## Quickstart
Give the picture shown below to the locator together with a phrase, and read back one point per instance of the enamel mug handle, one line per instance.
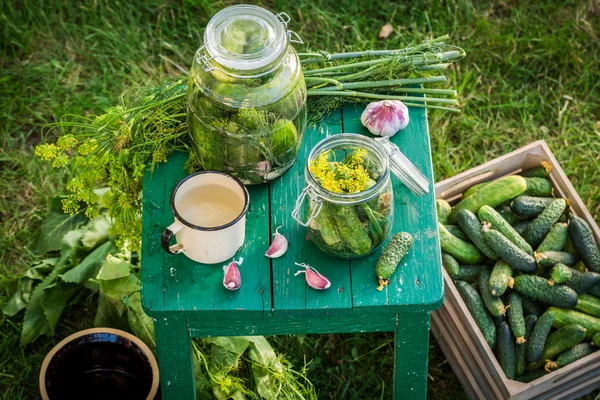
(165, 240)
(315, 212)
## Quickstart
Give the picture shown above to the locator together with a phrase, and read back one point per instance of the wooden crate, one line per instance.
(455, 330)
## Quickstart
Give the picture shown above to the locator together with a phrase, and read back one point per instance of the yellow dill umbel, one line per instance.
(348, 177)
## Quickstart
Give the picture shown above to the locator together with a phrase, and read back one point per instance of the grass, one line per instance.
(531, 73)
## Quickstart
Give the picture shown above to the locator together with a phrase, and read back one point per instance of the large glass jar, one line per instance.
(246, 95)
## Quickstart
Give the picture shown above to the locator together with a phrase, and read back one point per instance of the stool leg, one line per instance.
(174, 353)
(412, 351)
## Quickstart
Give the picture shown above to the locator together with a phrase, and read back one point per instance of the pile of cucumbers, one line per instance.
(528, 270)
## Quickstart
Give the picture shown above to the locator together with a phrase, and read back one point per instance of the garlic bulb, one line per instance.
(385, 118)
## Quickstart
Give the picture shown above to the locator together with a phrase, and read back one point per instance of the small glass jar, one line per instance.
(354, 225)
(247, 95)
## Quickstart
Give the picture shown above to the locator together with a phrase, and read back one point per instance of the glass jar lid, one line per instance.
(246, 37)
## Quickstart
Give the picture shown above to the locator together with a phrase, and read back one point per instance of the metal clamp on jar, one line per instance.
(246, 95)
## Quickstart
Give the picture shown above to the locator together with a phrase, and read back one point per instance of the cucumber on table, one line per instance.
(494, 304)
(560, 274)
(537, 288)
(561, 340)
(575, 353)
(509, 252)
(583, 282)
(537, 230)
(563, 316)
(529, 206)
(537, 339)
(549, 259)
(469, 273)
(541, 171)
(537, 186)
(479, 312)
(505, 350)
(521, 349)
(500, 278)
(395, 251)
(555, 239)
(450, 264)
(469, 223)
(443, 210)
(488, 215)
(583, 239)
(456, 231)
(589, 305)
(516, 319)
(462, 251)
(494, 194)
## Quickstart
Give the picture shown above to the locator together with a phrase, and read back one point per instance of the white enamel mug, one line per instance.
(207, 245)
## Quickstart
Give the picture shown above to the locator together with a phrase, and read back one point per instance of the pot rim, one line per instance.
(145, 349)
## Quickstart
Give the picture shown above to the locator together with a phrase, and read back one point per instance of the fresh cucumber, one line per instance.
(515, 316)
(491, 216)
(509, 216)
(560, 274)
(500, 278)
(541, 171)
(534, 307)
(555, 239)
(509, 252)
(506, 350)
(589, 305)
(580, 266)
(582, 282)
(537, 340)
(462, 251)
(549, 259)
(537, 186)
(474, 188)
(529, 206)
(562, 340)
(450, 264)
(478, 311)
(521, 226)
(443, 210)
(394, 252)
(470, 225)
(456, 231)
(531, 376)
(499, 319)
(596, 339)
(538, 288)
(570, 247)
(494, 304)
(521, 349)
(583, 239)
(563, 316)
(595, 291)
(494, 194)
(350, 229)
(469, 273)
(539, 228)
(575, 353)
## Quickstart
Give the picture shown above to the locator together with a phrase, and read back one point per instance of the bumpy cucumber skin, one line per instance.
(539, 228)
(521, 349)
(595, 291)
(469, 273)
(537, 340)
(560, 274)
(493, 195)
(506, 350)
(491, 216)
(395, 251)
(582, 282)
(463, 252)
(443, 210)
(474, 188)
(529, 206)
(521, 226)
(478, 311)
(563, 316)
(584, 242)
(471, 226)
(562, 340)
(538, 288)
(534, 307)
(541, 171)
(509, 252)
(509, 216)
(589, 305)
(596, 339)
(549, 259)
(456, 231)
(515, 316)
(450, 264)
(494, 304)
(575, 353)
(555, 239)
(537, 186)
(500, 277)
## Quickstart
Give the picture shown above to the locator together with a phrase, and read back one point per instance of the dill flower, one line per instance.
(349, 176)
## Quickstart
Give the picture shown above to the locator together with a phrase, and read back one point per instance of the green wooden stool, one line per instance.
(187, 300)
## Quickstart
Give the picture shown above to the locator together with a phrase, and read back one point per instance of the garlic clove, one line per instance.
(279, 245)
(232, 280)
(313, 278)
(385, 118)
